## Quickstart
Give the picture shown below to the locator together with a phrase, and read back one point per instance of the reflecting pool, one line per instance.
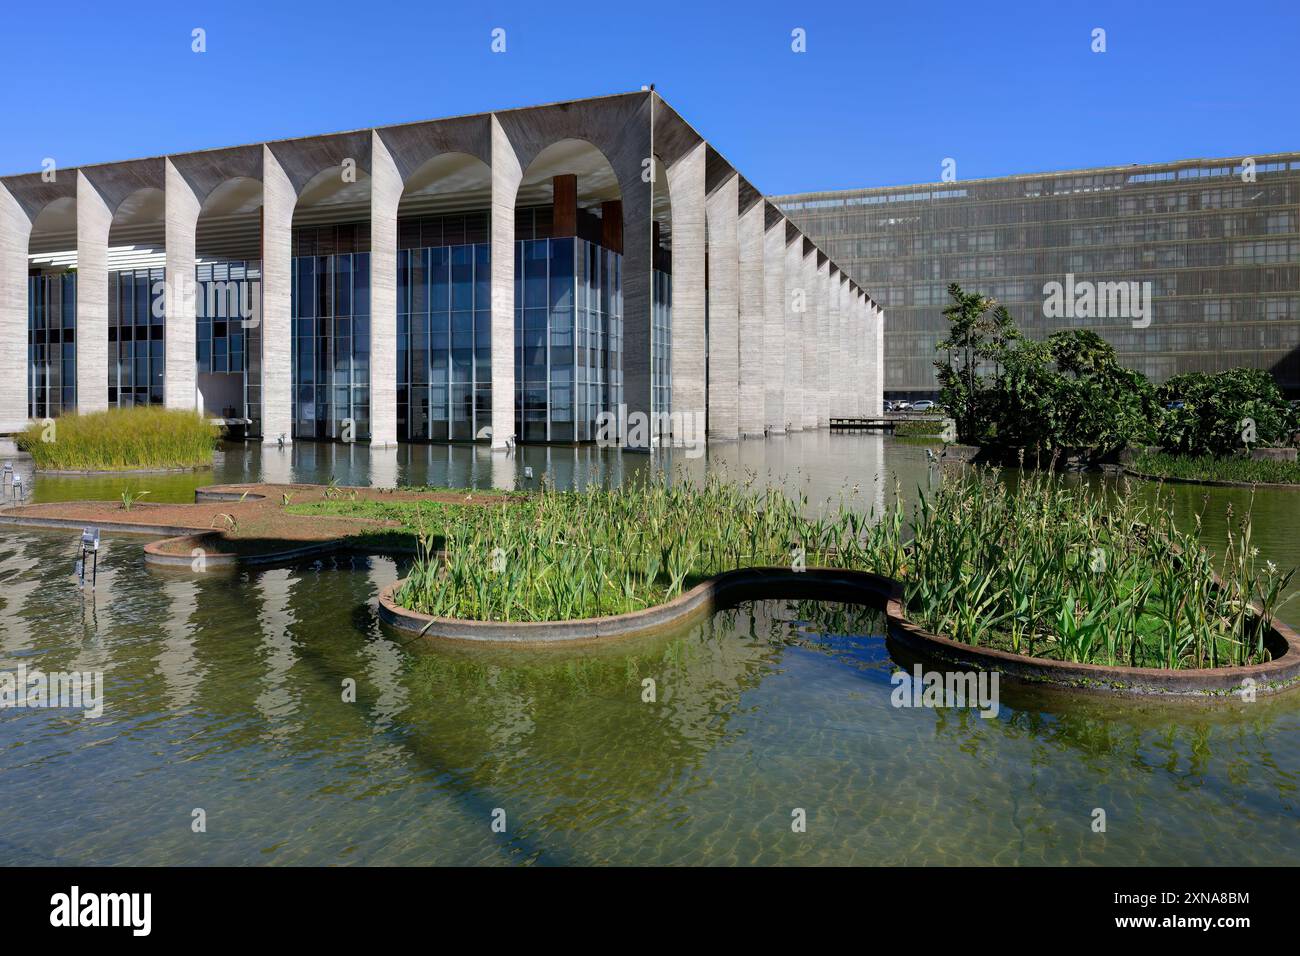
(230, 693)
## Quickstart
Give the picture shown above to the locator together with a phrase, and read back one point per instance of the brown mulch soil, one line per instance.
(261, 525)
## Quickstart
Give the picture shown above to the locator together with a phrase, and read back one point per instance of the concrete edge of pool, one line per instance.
(1280, 674)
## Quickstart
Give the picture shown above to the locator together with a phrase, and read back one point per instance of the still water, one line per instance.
(225, 693)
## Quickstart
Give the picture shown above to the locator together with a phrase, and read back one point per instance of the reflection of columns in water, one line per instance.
(176, 660)
(383, 466)
(277, 464)
(277, 701)
(385, 662)
(502, 471)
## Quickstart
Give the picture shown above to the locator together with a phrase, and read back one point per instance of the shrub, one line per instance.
(1212, 419)
(121, 439)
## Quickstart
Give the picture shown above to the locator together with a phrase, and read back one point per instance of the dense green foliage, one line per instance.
(1221, 413)
(121, 439)
(1039, 567)
(1069, 394)
(1210, 468)
(919, 429)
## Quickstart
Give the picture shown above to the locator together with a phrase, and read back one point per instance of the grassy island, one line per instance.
(121, 439)
(1037, 567)
(1214, 468)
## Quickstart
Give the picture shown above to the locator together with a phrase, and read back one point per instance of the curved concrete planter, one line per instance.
(155, 555)
(856, 587)
(860, 587)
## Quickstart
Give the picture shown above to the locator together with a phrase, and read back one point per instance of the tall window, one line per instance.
(568, 338)
(331, 333)
(136, 315)
(51, 344)
(228, 334)
(661, 372)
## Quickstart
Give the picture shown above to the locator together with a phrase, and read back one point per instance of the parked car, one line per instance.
(924, 405)
(1175, 404)
(902, 406)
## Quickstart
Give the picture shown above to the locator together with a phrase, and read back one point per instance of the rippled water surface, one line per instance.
(226, 692)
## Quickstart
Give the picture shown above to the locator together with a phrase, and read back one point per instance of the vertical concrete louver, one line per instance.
(823, 340)
(15, 233)
(811, 320)
(723, 309)
(686, 192)
(792, 342)
(279, 197)
(181, 219)
(774, 341)
(750, 413)
(94, 219)
(385, 194)
(506, 176)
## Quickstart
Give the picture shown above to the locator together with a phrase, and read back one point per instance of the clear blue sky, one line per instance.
(884, 93)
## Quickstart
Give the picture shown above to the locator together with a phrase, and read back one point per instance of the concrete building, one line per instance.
(523, 274)
(1217, 239)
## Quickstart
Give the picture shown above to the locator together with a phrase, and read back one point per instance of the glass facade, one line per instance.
(568, 338)
(661, 350)
(331, 334)
(136, 330)
(51, 344)
(444, 342)
(1222, 254)
(228, 334)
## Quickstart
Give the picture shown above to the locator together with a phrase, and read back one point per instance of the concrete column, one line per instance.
(844, 347)
(794, 309)
(774, 340)
(877, 396)
(181, 218)
(94, 219)
(823, 342)
(834, 342)
(750, 413)
(15, 233)
(858, 376)
(686, 195)
(385, 194)
(506, 176)
(279, 198)
(638, 265)
(810, 329)
(724, 310)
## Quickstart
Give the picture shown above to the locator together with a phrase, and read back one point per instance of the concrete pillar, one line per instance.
(774, 340)
(279, 198)
(811, 326)
(15, 233)
(724, 310)
(686, 195)
(506, 176)
(877, 396)
(794, 309)
(638, 266)
(181, 217)
(750, 413)
(857, 377)
(834, 342)
(844, 347)
(94, 219)
(823, 341)
(385, 194)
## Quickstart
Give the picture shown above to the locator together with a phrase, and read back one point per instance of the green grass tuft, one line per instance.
(121, 439)
(1210, 468)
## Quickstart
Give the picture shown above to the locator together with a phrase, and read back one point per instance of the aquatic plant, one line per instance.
(1037, 565)
(120, 439)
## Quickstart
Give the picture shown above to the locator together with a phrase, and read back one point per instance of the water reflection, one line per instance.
(227, 692)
